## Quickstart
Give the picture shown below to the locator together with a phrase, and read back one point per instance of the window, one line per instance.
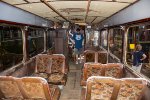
(133, 37)
(140, 35)
(11, 46)
(116, 42)
(35, 41)
(50, 38)
(104, 39)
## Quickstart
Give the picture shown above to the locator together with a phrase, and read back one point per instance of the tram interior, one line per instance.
(37, 58)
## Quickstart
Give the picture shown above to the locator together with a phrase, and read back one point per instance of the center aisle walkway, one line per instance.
(72, 90)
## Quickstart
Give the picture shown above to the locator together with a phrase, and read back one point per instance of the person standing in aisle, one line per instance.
(138, 57)
(78, 39)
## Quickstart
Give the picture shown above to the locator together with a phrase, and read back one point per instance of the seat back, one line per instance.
(58, 63)
(131, 89)
(89, 56)
(34, 88)
(100, 88)
(107, 88)
(101, 57)
(43, 63)
(92, 69)
(113, 70)
(9, 88)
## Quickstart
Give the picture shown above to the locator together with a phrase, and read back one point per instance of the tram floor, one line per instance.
(72, 89)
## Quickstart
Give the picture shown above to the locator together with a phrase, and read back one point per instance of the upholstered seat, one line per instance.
(89, 56)
(91, 69)
(27, 88)
(100, 88)
(101, 57)
(9, 88)
(97, 69)
(52, 68)
(108, 88)
(114, 70)
(36, 88)
(58, 74)
(131, 89)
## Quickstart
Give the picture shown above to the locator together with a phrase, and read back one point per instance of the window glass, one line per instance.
(11, 46)
(132, 39)
(50, 38)
(140, 35)
(35, 41)
(96, 38)
(116, 42)
(104, 39)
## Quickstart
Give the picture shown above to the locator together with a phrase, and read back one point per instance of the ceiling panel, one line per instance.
(90, 19)
(34, 0)
(105, 9)
(126, 1)
(70, 7)
(98, 19)
(73, 10)
(14, 1)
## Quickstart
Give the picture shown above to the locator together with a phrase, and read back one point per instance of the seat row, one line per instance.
(97, 69)
(95, 56)
(27, 88)
(107, 88)
(51, 67)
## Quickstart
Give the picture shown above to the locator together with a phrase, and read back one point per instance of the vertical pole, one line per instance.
(125, 44)
(107, 30)
(25, 43)
(45, 40)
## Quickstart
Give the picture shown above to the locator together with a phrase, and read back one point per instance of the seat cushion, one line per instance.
(43, 75)
(56, 77)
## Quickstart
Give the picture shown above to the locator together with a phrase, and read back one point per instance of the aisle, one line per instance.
(72, 90)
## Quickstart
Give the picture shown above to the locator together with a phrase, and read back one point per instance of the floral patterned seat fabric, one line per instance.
(102, 57)
(131, 89)
(114, 70)
(94, 69)
(99, 88)
(57, 69)
(91, 69)
(9, 88)
(89, 56)
(43, 63)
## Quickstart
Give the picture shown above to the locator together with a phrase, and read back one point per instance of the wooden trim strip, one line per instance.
(52, 8)
(87, 11)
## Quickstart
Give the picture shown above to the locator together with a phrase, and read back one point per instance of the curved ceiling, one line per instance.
(89, 11)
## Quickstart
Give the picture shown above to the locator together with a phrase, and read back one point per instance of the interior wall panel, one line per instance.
(139, 10)
(13, 14)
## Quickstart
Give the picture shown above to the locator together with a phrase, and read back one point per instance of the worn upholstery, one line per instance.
(114, 70)
(58, 63)
(99, 88)
(89, 56)
(131, 89)
(97, 69)
(58, 73)
(52, 68)
(102, 57)
(91, 69)
(27, 88)
(108, 88)
(9, 88)
(43, 63)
